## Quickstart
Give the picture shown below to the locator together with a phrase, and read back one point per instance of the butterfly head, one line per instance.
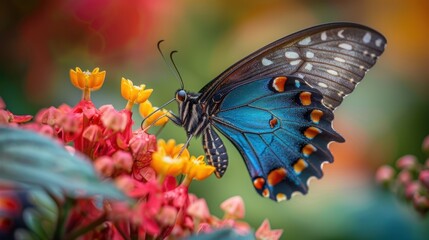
(181, 95)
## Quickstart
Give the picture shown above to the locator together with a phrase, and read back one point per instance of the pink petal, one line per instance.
(234, 207)
(199, 209)
(265, 232)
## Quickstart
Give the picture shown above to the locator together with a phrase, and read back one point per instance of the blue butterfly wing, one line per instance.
(282, 131)
(272, 129)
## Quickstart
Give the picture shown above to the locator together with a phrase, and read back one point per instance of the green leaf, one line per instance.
(32, 159)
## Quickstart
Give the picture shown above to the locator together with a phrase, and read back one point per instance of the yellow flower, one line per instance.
(165, 161)
(196, 168)
(87, 81)
(134, 94)
(146, 109)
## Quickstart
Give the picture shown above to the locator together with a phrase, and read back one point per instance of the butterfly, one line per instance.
(276, 105)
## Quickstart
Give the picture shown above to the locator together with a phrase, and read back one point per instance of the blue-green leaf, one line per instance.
(32, 159)
(224, 234)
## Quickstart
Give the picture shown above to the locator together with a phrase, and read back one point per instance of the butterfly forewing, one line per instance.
(332, 58)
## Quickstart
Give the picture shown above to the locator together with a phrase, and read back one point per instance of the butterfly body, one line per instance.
(276, 105)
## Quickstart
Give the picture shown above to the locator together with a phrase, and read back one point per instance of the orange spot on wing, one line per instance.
(273, 122)
(308, 149)
(276, 176)
(258, 183)
(266, 193)
(280, 197)
(300, 165)
(316, 115)
(311, 132)
(279, 84)
(305, 98)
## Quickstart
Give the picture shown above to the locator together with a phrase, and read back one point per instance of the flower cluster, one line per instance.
(411, 182)
(144, 168)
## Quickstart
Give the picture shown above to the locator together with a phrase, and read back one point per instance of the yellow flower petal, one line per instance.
(165, 161)
(196, 168)
(143, 95)
(87, 80)
(98, 80)
(146, 109)
(134, 94)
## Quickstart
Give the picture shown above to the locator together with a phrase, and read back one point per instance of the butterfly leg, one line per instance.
(215, 151)
(174, 118)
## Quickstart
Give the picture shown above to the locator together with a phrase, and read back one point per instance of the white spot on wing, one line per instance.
(291, 54)
(309, 54)
(323, 85)
(367, 37)
(340, 33)
(338, 59)
(345, 46)
(305, 41)
(332, 72)
(378, 42)
(266, 62)
(295, 62)
(323, 36)
(309, 66)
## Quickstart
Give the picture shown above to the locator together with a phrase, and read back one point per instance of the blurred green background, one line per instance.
(385, 118)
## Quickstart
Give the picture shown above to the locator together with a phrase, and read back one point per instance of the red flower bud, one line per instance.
(424, 178)
(406, 162)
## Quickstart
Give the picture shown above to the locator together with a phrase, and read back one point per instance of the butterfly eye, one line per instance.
(181, 95)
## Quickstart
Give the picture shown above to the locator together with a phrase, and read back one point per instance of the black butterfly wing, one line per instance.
(332, 58)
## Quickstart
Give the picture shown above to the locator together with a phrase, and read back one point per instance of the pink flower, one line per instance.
(424, 178)
(404, 177)
(199, 210)
(410, 189)
(104, 165)
(50, 116)
(384, 174)
(142, 145)
(177, 197)
(112, 119)
(123, 161)
(265, 232)
(406, 162)
(233, 207)
(145, 174)
(421, 203)
(167, 216)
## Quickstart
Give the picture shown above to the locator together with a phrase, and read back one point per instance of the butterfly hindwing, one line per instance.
(281, 129)
(332, 58)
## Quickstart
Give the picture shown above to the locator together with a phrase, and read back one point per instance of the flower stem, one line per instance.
(187, 181)
(129, 105)
(86, 94)
(63, 212)
(80, 231)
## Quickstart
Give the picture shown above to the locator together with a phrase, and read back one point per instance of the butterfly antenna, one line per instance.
(177, 70)
(173, 70)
